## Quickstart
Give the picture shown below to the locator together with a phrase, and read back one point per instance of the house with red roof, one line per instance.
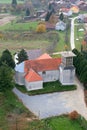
(33, 73)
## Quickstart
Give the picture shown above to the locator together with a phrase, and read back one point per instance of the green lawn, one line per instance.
(10, 109)
(79, 35)
(61, 44)
(9, 1)
(19, 26)
(49, 87)
(56, 123)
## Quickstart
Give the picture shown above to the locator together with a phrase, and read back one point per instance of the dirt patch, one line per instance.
(6, 19)
(19, 122)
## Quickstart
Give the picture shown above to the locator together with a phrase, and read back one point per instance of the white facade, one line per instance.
(49, 76)
(33, 85)
(60, 26)
(67, 76)
(19, 78)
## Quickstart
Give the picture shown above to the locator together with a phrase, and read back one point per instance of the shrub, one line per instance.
(41, 28)
(73, 115)
(1, 36)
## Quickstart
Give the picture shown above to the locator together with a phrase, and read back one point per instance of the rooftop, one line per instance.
(42, 64)
(33, 76)
(68, 54)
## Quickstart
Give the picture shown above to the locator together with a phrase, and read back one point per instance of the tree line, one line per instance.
(80, 62)
(7, 65)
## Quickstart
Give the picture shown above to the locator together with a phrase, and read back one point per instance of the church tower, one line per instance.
(67, 69)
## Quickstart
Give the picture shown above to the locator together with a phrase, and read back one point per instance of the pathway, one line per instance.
(6, 19)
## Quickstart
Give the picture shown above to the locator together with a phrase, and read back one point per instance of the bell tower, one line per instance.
(67, 69)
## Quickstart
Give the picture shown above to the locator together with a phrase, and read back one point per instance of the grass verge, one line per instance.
(56, 123)
(11, 110)
(49, 87)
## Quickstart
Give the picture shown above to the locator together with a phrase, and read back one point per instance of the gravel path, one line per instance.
(48, 105)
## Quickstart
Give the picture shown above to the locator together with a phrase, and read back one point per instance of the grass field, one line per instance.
(15, 46)
(79, 35)
(10, 110)
(19, 26)
(9, 1)
(56, 123)
(33, 41)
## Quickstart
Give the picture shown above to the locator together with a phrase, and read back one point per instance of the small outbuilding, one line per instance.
(60, 26)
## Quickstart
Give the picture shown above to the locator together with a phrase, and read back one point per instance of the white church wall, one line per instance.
(50, 75)
(33, 85)
(67, 76)
(19, 78)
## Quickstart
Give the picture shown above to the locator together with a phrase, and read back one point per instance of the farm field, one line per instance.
(24, 35)
(31, 43)
(15, 46)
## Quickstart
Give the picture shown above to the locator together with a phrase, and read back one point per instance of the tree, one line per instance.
(7, 58)
(27, 12)
(83, 73)
(61, 17)
(47, 16)
(22, 56)
(14, 3)
(6, 77)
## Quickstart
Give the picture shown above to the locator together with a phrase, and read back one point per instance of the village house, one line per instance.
(66, 11)
(33, 73)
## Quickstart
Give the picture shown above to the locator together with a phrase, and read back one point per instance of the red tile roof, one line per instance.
(33, 76)
(44, 56)
(42, 64)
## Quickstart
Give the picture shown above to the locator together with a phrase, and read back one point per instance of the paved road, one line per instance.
(48, 105)
(72, 34)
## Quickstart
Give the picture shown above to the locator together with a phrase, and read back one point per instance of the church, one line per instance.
(33, 73)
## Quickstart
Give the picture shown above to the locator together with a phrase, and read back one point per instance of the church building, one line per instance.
(33, 73)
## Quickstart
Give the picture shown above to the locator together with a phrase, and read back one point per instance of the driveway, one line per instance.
(48, 105)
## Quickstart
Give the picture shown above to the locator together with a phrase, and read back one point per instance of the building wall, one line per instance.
(19, 78)
(50, 75)
(33, 85)
(67, 76)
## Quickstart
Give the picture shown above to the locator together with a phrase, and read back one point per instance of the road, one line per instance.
(72, 34)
